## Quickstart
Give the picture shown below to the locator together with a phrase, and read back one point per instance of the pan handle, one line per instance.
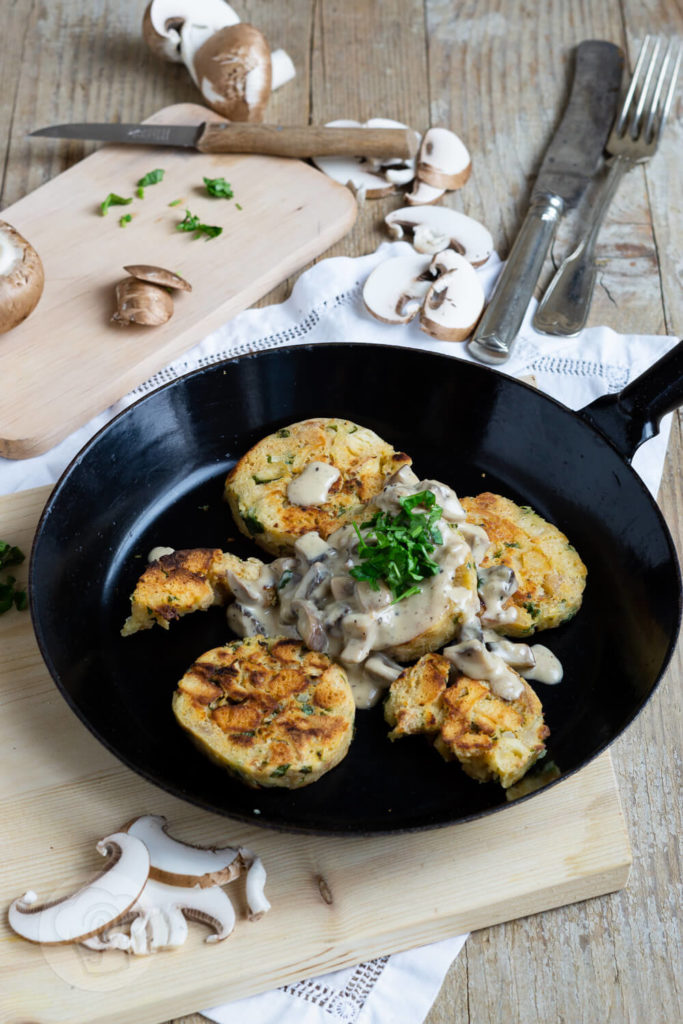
(633, 415)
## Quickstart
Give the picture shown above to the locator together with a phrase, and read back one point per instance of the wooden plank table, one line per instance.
(494, 71)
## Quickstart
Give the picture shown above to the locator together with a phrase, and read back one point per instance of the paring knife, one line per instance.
(571, 160)
(270, 139)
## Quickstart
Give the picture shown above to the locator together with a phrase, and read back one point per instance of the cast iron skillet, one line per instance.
(154, 475)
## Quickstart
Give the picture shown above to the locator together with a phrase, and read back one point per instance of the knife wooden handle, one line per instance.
(307, 140)
(502, 319)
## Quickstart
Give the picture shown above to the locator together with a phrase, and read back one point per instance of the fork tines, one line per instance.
(651, 90)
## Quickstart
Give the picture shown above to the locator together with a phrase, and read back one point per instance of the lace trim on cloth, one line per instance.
(345, 1005)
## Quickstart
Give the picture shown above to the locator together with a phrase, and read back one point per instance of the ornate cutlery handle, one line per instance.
(502, 319)
(565, 306)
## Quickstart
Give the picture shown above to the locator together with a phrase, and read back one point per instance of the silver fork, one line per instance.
(633, 140)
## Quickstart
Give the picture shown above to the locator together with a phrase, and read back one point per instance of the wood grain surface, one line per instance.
(494, 71)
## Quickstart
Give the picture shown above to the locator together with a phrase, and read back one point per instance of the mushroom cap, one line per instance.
(443, 161)
(462, 233)
(232, 68)
(166, 22)
(455, 300)
(157, 275)
(21, 277)
(139, 302)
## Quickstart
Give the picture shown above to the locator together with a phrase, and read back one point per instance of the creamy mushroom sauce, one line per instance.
(311, 596)
(312, 485)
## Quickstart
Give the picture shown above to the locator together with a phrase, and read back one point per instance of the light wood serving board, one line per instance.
(67, 362)
(335, 902)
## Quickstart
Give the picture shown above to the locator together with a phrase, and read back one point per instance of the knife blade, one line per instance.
(239, 137)
(570, 162)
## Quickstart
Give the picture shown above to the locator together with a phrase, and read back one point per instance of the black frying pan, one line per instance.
(154, 475)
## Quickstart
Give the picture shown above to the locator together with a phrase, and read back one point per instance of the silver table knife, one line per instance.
(570, 162)
(239, 137)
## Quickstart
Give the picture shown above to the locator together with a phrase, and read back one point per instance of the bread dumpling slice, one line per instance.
(268, 710)
(315, 475)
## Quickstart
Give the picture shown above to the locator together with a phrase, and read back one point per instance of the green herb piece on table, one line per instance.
(397, 549)
(9, 594)
(191, 222)
(126, 219)
(151, 178)
(175, 202)
(113, 200)
(219, 187)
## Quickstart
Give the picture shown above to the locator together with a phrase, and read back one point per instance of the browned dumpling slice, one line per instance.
(268, 710)
(317, 474)
(414, 703)
(186, 581)
(492, 738)
(549, 572)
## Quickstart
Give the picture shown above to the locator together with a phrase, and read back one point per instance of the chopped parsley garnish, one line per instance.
(126, 219)
(397, 549)
(9, 594)
(252, 523)
(191, 222)
(281, 769)
(113, 200)
(175, 202)
(151, 178)
(219, 187)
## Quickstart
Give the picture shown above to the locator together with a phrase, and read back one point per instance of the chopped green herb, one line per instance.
(126, 219)
(308, 709)
(281, 770)
(532, 609)
(511, 543)
(113, 200)
(9, 593)
(397, 549)
(219, 187)
(332, 426)
(151, 178)
(285, 578)
(283, 432)
(252, 523)
(176, 202)
(305, 769)
(10, 555)
(191, 222)
(237, 206)
(140, 192)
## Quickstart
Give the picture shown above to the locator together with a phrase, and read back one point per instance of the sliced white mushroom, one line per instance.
(465, 234)
(443, 161)
(454, 301)
(158, 919)
(257, 901)
(177, 863)
(394, 291)
(369, 178)
(21, 277)
(95, 906)
(423, 194)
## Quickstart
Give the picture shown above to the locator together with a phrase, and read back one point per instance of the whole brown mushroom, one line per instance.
(233, 71)
(21, 277)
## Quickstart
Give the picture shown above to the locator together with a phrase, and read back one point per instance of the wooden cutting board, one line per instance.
(335, 902)
(67, 362)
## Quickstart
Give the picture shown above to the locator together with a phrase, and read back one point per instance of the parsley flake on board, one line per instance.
(191, 222)
(397, 549)
(219, 187)
(9, 594)
(113, 200)
(126, 219)
(151, 178)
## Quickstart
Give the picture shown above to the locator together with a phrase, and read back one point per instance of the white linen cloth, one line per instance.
(326, 305)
